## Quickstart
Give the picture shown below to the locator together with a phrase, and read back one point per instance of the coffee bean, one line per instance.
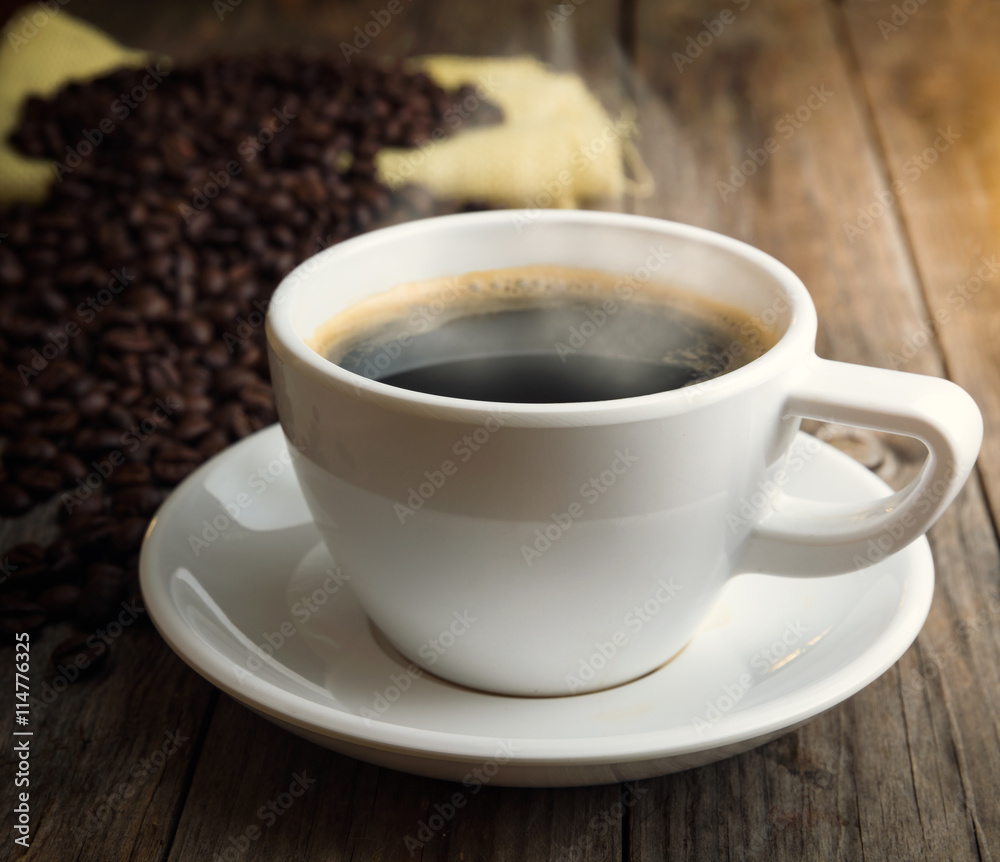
(232, 380)
(59, 425)
(137, 500)
(240, 424)
(167, 292)
(128, 536)
(92, 404)
(80, 507)
(129, 341)
(198, 404)
(25, 554)
(257, 396)
(14, 500)
(191, 427)
(71, 467)
(40, 482)
(118, 416)
(197, 331)
(97, 440)
(27, 580)
(130, 474)
(213, 443)
(213, 281)
(93, 537)
(100, 597)
(130, 395)
(59, 602)
(215, 356)
(65, 566)
(11, 416)
(57, 375)
(80, 656)
(19, 615)
(29, 450)
(173, 466)
(150, 304)
(11, 271)
(134, 601)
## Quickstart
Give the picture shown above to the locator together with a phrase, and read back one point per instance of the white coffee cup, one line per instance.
(504, 546)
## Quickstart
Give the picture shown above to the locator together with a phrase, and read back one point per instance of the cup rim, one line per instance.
(289, 346)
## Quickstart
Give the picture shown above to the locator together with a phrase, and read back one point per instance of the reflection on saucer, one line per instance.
(263, 614)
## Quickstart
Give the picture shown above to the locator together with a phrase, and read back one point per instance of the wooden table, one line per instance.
(909, 768)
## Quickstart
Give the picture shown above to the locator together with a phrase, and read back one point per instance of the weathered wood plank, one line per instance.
(927, 70)
(930, 76)
(908, 767)
(885, 775)
(358, 811)
(110, 756)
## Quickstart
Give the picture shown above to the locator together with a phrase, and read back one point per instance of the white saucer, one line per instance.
(217, 596)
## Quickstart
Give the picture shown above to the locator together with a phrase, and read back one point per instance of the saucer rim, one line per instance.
(328, 721)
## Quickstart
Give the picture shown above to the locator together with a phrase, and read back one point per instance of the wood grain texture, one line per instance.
(930, 74)
(910, 767)
(889, 773)
(358, 811)
(111, 757)
(938, 70)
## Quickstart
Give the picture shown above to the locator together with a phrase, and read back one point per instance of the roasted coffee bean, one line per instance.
(137, 500)
(135, 603)
(100, 598)
(79, 507)
(70, 466)
(197, 331)
(19, 615)
(257, 396)
(84, 654)
(216, 356)
(29, 450)
(213, 281)
(118, 416)
(198, 404)
(130, 474)
(191, 427)
(14, 500)
(57, 375)
(59, 425)
(25, 554)
(130, 395)
(94, 536)
(240, 424)
(39, 482)
(172, 468)
(98, 440)
(167, 291)
(213, 443)
(59, 602)
(128, 536)
(249, 354)
(92, 403)
(64, 568)
(221, 313)
(27, 579)
(129, 341)
(11, 416)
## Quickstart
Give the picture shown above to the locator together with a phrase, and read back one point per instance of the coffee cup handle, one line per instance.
(806, 538)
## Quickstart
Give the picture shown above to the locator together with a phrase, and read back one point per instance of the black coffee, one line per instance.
(540, 335)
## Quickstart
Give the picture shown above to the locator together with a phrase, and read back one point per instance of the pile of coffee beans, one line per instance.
(132, 301)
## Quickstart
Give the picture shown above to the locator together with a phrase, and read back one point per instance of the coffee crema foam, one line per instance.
(543, 311)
